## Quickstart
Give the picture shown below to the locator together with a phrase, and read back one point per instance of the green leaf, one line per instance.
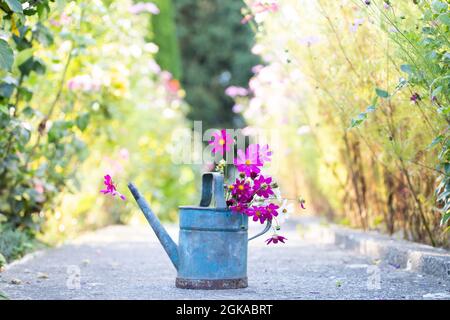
(14, 5)
(23, 55)
(436, 141)
(43, 34)
(2, 261)
(371, 108)
(381, 93)
(445, 219)
(6, 55)
(406, 68)
(32, 64)
(438, 6)
(436, 91)
(445, 18)
(358, 120)
(29, 112)
(6, 90)
(82, 121)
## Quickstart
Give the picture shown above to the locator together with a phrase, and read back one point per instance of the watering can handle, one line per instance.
(212, 185)
(267, 228)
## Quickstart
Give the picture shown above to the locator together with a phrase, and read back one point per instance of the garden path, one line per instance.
(127, 262)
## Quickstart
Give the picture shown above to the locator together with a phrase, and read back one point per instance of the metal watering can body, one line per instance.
(213, 241)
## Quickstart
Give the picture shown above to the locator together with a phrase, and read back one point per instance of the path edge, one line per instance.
(404, 254)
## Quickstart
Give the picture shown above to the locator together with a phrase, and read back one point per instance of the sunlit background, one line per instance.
(357, 91)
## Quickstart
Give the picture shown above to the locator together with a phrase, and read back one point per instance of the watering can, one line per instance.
(213, 241)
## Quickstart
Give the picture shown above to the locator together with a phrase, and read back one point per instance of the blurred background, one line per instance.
(356, 89)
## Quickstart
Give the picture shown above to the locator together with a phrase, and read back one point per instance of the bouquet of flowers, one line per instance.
(253, 193)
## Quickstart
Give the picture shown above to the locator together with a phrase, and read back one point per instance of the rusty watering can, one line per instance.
(213, 241)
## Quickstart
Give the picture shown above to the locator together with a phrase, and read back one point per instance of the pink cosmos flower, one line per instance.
(246, 18)
(63, 20)
(272, 210)
(144, 7)
(84, 83)
(355, 25)
(257, 68)
(247, 162)
(237, 108)
(262, 186)
(111, 188)
(258, 213)
(263, 6)
(238, 207)
(263, 153)
(275, 238)
(222, 141)
(234, 91)
(240, 187)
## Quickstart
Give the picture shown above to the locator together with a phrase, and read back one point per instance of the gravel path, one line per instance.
(127, 262)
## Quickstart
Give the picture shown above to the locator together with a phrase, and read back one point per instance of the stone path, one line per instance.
(127, 262)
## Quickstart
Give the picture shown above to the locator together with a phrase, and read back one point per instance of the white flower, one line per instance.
(284, 211)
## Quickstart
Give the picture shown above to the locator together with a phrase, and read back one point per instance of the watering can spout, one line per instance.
(166, 241)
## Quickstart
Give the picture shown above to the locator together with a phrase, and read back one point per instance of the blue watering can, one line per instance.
(213, 241)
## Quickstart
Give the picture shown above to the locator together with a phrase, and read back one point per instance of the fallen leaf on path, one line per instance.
(42, 275)
(15, 281)
(86, 262)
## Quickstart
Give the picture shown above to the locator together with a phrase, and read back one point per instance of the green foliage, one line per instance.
(3, 296)
(165, 37)
(6, 55)
(13, 244)
(424, 47)
(71, 112)
(359, 96)
(215, 50)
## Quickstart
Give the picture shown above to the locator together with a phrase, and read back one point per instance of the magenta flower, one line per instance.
(111, 188)
(302, 203)
(262, 186)
(247, 162)
(415, 98)
(222, 141)
(275, 238)
(258, 213)
(272, 210)
(238, 207)
(240, 187)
